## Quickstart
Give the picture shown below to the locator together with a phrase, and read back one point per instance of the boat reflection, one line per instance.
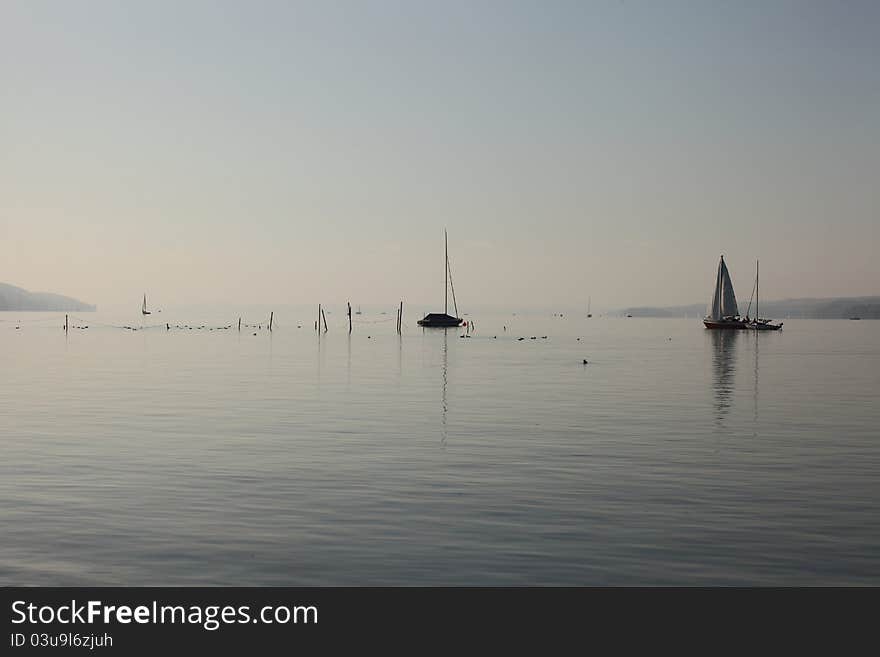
(757, 339)
(723, 345)
(445, 370)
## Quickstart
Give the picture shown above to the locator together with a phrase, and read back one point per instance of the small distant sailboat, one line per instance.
(758, 323)
(723, 311)
(144, 310)
(358, 312)
(444, 319)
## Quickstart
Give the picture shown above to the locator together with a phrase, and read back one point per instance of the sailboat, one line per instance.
(723, 312)
(144, 310)
(759, 324)
(444, 319)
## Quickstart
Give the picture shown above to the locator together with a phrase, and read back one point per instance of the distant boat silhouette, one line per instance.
(144, 310)
(444, 319)
(358, 311)
(589, 314)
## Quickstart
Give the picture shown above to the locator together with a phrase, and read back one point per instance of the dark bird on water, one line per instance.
(585, 361)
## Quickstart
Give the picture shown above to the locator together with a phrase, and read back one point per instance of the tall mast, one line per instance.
(757, 295)
(445, 273)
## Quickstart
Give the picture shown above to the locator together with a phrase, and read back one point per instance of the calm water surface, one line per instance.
(676, 456)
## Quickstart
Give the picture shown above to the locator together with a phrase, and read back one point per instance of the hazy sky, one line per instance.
(294, 153)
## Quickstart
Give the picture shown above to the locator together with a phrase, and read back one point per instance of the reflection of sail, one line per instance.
(724, 368)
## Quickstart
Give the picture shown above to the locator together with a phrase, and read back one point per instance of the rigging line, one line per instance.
(751, 297)
(451, 286)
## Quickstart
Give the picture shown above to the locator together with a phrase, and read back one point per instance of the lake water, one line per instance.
(676, 456)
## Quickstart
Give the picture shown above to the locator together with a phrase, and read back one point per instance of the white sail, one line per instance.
(723, 300)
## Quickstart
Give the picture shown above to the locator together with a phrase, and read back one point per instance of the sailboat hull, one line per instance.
(439, 320)
(730, 324)
(764, 326)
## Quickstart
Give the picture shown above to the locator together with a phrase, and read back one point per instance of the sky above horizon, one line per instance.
(305, 152)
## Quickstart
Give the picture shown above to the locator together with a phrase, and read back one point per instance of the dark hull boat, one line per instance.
(759, 323)
(763, 325)
(444, 319)
(723, 311)
(439, 320)
(726, 323)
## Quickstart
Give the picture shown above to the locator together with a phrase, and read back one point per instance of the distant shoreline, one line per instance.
(835, 308)
(16, 299)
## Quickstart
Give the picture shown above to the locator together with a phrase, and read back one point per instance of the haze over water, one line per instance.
(676, 456)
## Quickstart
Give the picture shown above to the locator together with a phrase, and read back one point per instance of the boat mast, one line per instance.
(445, 273)
(757, 295)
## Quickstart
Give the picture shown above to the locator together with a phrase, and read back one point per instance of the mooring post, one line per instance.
(271, 319)
(318, 323)
(400, 318)
(239, 324)
(349, 317)
(65, 323)
(325, 320)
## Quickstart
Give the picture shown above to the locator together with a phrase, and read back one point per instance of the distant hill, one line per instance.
(17, 299)
(843, 308)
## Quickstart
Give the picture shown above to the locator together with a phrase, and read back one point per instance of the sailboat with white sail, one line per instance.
(444, 319)
(723, 311)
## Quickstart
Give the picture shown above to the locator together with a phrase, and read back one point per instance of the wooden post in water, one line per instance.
(271, 319)
(318, 323)
(65, 323)
(325, 320)
(239, 324)
(400, 317)
(349, 317)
